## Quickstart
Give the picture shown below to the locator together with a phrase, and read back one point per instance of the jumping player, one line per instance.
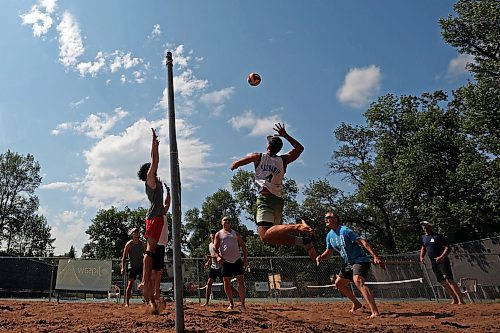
(270, 170)
(155, 217)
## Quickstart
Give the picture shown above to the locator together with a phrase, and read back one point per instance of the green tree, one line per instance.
(109, 232)
(19, 178)
(71, 253)
(476, 31)
(33, 239)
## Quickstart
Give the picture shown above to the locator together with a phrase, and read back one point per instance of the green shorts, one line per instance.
(269, 209)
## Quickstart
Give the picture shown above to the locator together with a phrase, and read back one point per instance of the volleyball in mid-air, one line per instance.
(254, 79)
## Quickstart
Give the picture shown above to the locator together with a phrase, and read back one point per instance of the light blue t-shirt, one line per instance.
(344, 241)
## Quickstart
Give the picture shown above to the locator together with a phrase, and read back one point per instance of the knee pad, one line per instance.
(151, 254)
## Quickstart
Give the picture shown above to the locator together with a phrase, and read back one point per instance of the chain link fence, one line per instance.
(272, 278)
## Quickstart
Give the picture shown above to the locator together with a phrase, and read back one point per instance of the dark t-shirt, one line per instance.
(155, 197)
(434, 244)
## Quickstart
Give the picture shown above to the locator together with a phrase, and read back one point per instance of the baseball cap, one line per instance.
(425, 223)
(132, 231)
(275, 143)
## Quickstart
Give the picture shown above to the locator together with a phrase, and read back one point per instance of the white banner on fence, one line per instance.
(74, 274)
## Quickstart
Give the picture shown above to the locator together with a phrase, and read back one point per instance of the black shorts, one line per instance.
(159, 258)
(215, 273)
(442, 270)
(133, 273)
(233, 269)
(348, 272)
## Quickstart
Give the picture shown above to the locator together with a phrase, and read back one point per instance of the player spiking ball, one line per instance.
(270, 170)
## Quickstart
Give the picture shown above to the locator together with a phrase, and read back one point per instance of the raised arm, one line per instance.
(297, 149)
(252, 157)
(155, 159)
(166, 204)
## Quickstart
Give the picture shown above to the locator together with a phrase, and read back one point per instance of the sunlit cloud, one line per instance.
(113, 181)
(217, 99)
(68, 228)
(39, 17)
(70, 41)
(360, 85)
(458, 66)
(156, 33)
(95, 126)
(257, 125)
(63, 186)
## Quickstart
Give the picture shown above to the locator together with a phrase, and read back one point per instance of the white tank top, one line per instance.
(164, 234)
(229, 248)
(214, 263)
(269, 173)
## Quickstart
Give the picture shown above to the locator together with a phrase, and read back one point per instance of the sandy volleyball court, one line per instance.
(289, 317)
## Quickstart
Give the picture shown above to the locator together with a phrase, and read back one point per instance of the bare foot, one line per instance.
(161, 305)
(355, 307)
(230, 307)
(204, 304)
(153, 308)
(374, 315)
(127, 305)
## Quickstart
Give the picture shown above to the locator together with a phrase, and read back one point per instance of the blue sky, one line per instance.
(84, 81)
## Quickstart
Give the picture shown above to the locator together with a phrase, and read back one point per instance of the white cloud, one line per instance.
(124, 60)
(217, 99)
(70, 41)
(156, 33)
(68, 229)
(360, 85)
(92, 68)
(95, 126)
(40, 20)
(180, 59)
(114, 160)
(257, 125)
(77, 104)
(59, 186)
(457, 66)
(187, 83)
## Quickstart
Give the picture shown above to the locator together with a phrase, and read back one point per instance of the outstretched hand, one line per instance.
(280, 128)
(155, 137)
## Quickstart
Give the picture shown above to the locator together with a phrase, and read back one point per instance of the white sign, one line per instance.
(261, 286)
(76, 274)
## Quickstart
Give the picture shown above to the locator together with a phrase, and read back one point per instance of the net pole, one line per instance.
(176, 200)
